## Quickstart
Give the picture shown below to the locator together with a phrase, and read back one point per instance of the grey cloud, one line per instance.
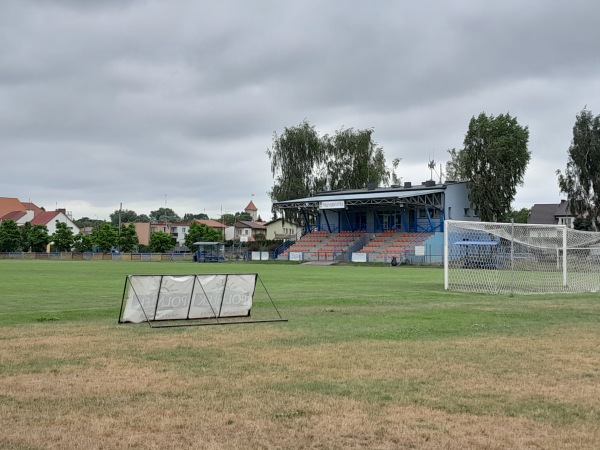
(134, 100)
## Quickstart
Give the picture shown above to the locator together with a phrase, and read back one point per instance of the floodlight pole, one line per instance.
(119, 241)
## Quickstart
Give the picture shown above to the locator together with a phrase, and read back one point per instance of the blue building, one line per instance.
(408, 208)
(381, 220)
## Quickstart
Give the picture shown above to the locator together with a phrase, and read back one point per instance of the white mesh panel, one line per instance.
(520, 258)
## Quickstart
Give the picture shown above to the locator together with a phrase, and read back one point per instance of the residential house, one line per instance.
(214, 224)
(19, 217)
(32, 207)
(51, 218)
(247, 231)
(551, 214)
(145, 229)
(282, 229)
(23, 212)
(178, 230)
(9, 205)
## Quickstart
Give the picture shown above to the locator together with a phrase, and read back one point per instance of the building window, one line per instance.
(433, 213)
(467, 212)
(568, 221)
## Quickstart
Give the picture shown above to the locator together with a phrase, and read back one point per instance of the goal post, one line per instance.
(517, 258)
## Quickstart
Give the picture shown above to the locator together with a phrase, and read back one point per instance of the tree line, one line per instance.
(36, 238)
(105, 237)
(161, 215)
(493, 161)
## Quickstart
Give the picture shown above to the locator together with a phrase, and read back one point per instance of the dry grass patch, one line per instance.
(74, 386)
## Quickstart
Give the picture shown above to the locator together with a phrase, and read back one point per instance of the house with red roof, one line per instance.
(19, 217)
(23, 212)
(247, 231)
(9, 205)
(51, 218)
(215, 224)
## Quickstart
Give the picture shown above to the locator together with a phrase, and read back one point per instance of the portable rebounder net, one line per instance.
(199, 299)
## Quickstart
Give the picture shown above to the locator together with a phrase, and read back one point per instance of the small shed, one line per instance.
(479, 254)
(209, 251)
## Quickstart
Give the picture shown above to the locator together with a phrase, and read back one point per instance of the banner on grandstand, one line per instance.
(334, 204)
(149, 298)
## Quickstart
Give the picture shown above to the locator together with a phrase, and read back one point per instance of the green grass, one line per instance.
(331, 303)
(371, 338)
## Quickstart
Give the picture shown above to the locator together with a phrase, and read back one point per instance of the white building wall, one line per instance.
(63, 219)
(28, 217)
(281, 227)
(229, 233)
(456, 203)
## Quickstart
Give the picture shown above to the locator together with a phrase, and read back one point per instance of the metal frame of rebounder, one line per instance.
(187, 322)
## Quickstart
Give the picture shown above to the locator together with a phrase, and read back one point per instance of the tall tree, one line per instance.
(87, 222)
(200, 232)
(161, 242)
(583, 224)
(494, 160)
(105, 237)
(303, 163)
(39, 238)
(25, 243)
(164, 215)
(128, 239)
(353, 159)
(581, 180)
(190, 216)
(63, 238)
(83, 243)
(126, 216)
(453, 167)
(10, 236)
(230, 219)
(520, 216)
(296, 158)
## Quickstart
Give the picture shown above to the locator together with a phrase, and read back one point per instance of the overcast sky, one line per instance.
(154, 103)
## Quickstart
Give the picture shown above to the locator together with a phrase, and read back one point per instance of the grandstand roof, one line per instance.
(381, 196)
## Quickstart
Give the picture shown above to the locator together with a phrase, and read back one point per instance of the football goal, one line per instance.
(201, 299)
(516, 258)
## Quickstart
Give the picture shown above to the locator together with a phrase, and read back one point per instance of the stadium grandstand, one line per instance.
(403, 223)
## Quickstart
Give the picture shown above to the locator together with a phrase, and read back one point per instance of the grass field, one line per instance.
(371, 358)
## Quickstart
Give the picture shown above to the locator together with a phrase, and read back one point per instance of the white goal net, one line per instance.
(505, 258)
